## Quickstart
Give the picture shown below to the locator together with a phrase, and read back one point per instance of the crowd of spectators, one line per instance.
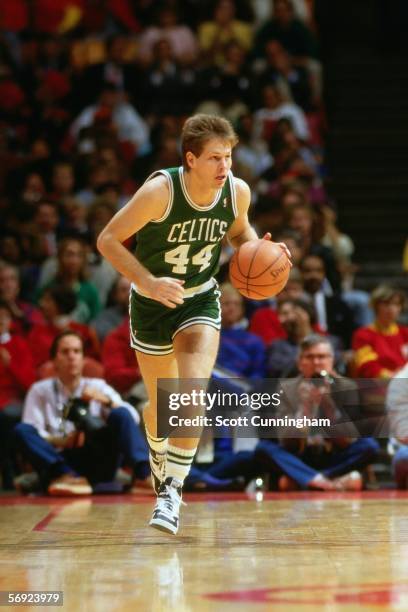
(92, 99)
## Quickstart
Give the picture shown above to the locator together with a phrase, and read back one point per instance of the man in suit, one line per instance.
(333, 314)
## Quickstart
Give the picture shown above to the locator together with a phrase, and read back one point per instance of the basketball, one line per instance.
(259, 269)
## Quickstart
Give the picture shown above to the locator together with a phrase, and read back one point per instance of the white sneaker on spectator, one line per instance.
(68, 484)
(167, 509)
(353, 481)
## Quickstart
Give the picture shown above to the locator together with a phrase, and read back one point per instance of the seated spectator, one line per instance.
(296, 321)
(293, 289)
(342, 248)
(63, 182)
(251, 156)
(293, 158)
(275, 108)
(266, 214)
(265, 324)
(381, 349)
(101, 273)
(168, 88)
(298, 318)
(16, 376)
(87, 225)
(24, 314)
(341, 244)
(51, 113)
(75, 224)
(117, 310)
(32, 191)
(72, 272)
(44, 230)
(264, 321)
(320, 459)
(397, 406)
(226, 90)
(12, 251)
(292, 195)
(280, 68)
(241, 352)
(130, 127)
(71, 454)
(289, 31)
(301, 218)
(333, 314)
(119, 360)
(98, 174)
(214, 35)
(180, 37)
(57, 305)
(116, 69)
(301, 10)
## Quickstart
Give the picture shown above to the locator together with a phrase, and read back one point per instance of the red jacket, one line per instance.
(30, 316)
(119, 359)
(19, 375)
(14, 15)
(380, 353)
(41, 338)
(265, 324)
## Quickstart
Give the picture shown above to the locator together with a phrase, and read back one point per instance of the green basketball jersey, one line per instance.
(186, 242)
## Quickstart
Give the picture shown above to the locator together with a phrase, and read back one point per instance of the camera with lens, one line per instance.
(321, 378)
(77, 411)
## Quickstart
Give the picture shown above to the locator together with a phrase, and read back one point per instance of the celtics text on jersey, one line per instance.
(186, 242)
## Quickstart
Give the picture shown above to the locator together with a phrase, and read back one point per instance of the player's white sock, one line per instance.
(178, 462)
(159, 445)
(157, 458)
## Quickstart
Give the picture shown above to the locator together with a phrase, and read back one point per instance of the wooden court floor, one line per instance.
(302, 552)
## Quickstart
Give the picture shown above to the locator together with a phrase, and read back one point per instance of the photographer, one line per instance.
(77, 431)
(316, 457)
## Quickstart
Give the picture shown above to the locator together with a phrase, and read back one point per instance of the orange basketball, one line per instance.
(259, 269)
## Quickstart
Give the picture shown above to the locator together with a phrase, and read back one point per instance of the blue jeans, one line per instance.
(119, 441)
(269, 456)
(356, 455)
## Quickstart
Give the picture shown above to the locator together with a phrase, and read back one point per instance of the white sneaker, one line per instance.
(352, 481)
(166, 511)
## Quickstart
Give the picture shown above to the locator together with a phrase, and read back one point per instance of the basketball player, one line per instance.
(181, 216)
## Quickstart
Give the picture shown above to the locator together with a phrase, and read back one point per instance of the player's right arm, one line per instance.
(148, 204)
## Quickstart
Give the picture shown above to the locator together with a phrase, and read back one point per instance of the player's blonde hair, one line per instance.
(198, 129)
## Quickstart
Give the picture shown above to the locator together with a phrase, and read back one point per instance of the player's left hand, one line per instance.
(268, 236)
